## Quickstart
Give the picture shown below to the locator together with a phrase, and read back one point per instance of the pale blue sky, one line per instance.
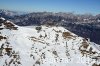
(76, 6)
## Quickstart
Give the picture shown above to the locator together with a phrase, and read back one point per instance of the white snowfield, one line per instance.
(45, 46)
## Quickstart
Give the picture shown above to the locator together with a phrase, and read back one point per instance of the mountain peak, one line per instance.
(45, 46)
(2, 19)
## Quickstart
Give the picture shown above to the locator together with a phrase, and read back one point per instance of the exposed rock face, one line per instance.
(7, 24)
(45, 46)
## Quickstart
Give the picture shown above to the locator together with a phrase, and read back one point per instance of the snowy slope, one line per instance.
(44, 46)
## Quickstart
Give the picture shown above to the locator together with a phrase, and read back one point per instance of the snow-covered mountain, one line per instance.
(44, 46)
(84, 25)
(10, 13)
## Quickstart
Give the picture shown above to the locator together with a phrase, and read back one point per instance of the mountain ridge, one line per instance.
(84, 25)
(44, 46)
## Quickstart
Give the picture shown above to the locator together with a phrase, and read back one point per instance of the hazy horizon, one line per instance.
(75, 6)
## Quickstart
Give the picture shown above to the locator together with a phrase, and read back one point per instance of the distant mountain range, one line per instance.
(10, 14)
(85, 25)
